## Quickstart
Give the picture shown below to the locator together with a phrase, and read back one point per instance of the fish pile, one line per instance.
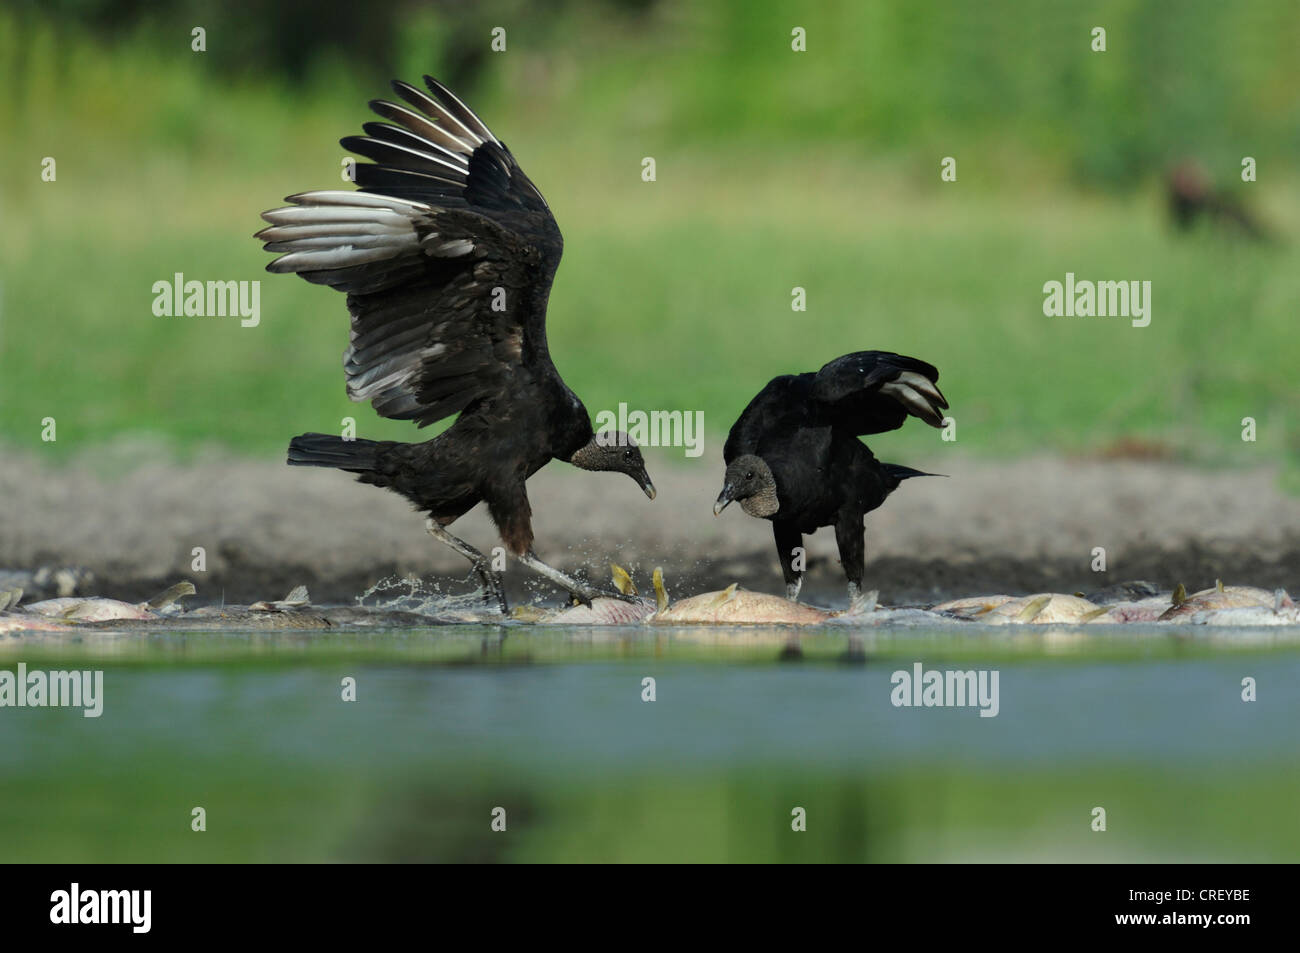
(52, 615)
(1123, 603)
(1133, 602)
(730, 606)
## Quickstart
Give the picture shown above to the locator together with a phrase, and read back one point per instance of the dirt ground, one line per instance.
(1023, 526)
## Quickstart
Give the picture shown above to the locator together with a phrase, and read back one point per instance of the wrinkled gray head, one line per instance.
(749, 481)
(616, 451)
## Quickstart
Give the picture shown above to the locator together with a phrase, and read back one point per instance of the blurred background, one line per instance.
(775, 169)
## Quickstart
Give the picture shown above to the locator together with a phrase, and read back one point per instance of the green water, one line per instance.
(450, 723)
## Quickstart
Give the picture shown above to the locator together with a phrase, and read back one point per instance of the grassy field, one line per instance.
(674, 294)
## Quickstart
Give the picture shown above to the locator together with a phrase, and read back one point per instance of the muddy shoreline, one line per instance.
(1030, 525)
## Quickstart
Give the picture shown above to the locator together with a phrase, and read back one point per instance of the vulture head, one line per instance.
(616, 451)
(749, 480)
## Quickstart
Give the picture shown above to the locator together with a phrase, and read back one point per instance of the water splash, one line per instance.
(427, 598)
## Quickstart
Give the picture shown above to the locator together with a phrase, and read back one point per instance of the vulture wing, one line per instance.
(446, 255)
(873, 391)
(777, 412)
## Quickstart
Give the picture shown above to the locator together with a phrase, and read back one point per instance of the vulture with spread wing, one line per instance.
(794, 456)
(446, 255)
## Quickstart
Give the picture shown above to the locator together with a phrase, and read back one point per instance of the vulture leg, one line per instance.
(860, 601)
(510, 511)
(581, 591)
(788, 539)
(850, 538)
(493, 589)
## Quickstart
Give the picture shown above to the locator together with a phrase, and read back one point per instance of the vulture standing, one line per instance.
(794, 456)
(446, 255)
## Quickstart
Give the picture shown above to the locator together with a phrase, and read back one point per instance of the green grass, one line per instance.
(673, 294)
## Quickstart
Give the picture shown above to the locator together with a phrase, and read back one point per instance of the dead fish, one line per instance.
(243, 617)
(868, 612)
(1143, 610)
(104, 610)
(246, 618)
(1246, 615)
(623, 580)
(905, 616)
(735, 606)
(1044, 608)
(23, 622)
(530, 613)
(1246, 594)
(296, 599)
(732, 606)
(391, 618)
(971, 605)
(661, 592)
(87, 610)
(1136, 591)
(1225, 597)
(602, 611)
(73, 609)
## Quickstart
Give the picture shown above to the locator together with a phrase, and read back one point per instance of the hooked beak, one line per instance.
(724, 498)
(643, 478)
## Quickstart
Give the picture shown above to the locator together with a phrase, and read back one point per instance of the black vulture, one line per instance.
(794, 456)
(446, 255)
